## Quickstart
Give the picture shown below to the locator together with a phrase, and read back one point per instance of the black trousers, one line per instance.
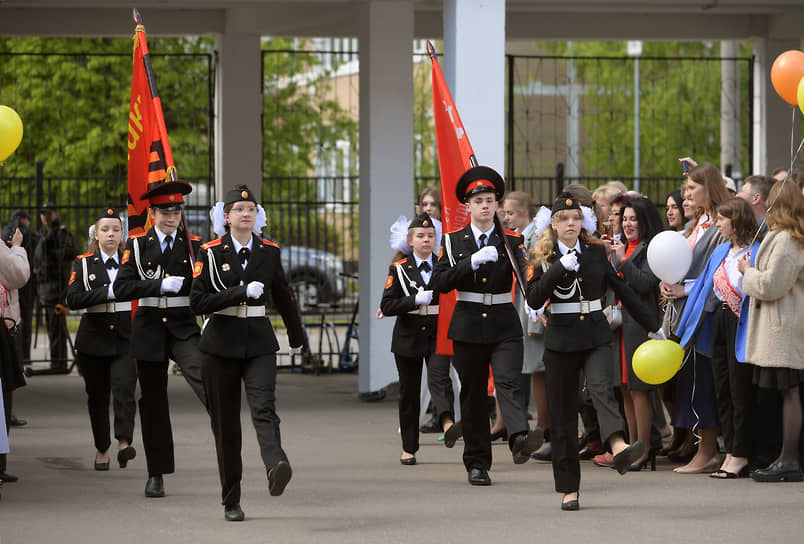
(734, 388)
(440, 386)
(222, 377)
(472, 363)
(57, 335)
(27, 297)
(562, 376)
(106, 377)
(157, 434)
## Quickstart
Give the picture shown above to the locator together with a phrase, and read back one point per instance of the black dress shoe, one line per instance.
(545, 453)
(409, 461)
(524, 444)
(571, 505)
(278, 478)
(777, 472)
(233, 513)
(430, 426)
(629, 456)
(479, 476)
(14, 421)
(7, 478)
(101, 466)
(125, 455)
(452, 434)
(155, 487)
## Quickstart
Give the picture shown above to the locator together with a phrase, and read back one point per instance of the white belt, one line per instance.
(242, 311)
(425, 309)
(489, 299)
(582, 307)
(109, 307)
(165, 302)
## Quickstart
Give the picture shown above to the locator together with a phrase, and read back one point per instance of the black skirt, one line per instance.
(778, 378)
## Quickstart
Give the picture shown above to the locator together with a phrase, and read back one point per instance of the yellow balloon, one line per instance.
(800, 95)
(10, 132)
(656, 361)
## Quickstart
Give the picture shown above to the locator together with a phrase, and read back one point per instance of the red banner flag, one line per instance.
(149, 156)
(455, 156)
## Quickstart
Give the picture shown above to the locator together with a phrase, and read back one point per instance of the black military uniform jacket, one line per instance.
(52, 256)
(103, 334)
(473, 322)
(141, 272)
(220, 282)
(575, 331)
(414, 334)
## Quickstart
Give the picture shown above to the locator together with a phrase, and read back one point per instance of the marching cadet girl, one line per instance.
(572, 272)
(409, 295)
(102, 342)
(156, 269)
(233, 279)
(485, 328)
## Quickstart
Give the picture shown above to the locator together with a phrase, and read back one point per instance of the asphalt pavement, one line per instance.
(348, 485)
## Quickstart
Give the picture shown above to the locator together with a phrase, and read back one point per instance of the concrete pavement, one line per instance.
(348, 486)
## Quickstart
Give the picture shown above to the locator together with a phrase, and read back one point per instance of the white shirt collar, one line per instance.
(161, 235)
(428, 260)
(477, 232)
(564, 249)
(237, 245)
(107, 257)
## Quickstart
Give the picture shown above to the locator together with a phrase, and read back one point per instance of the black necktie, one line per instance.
(483, 240)
(244, 254)
(110, 263)
(168, 240)
(424, 266)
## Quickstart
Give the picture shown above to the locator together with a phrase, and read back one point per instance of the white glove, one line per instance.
(486, 254)
(534, 315)
(255, 289)
(171, 284)
(424, 297)
(658, 335)
(292, 350)
(570, 261)
(110, 292)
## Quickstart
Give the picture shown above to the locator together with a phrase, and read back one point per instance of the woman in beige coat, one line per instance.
(14, 273)
(774, 339)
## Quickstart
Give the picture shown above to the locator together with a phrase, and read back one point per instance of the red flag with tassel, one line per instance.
(149, 156)
(455, 156)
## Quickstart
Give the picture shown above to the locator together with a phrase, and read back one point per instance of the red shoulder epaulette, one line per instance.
(512, 233)
(270, 243)
(400, 261)
(211, 243)
(138, 235)
(85, 255)
(195, 238)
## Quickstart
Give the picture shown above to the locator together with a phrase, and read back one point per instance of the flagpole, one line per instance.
(497, 223)
(171, 168)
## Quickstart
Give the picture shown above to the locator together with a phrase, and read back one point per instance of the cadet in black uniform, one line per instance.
(572, 272)
(234, 276)
(409, 295)
(102, 340)
(156, 269)
(485, 326)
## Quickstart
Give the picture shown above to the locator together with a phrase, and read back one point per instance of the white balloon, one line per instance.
(669, 256)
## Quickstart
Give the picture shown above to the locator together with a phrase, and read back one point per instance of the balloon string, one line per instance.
(692, 400)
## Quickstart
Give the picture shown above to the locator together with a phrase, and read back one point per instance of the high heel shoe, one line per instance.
(125, 455)
(572, 504)
(502, 433)
(639, 465)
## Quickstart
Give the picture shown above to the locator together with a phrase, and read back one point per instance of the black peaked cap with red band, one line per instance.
(480, 179)
(167, 196)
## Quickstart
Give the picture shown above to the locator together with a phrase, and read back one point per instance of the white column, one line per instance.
(474, 67)
(386, 169)
(772, 115)
(730, 109)
(238, 103)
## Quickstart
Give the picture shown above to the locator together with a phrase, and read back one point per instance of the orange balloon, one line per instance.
(786, 73)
